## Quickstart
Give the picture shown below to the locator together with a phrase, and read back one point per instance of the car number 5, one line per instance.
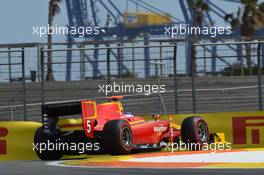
(89, 127)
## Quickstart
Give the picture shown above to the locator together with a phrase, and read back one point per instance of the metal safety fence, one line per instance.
(247, 58)
(12, 68)
(228, 78)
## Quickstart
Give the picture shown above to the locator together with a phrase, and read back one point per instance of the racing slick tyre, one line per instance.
(194, 132)
(42, 138)
(117, 137)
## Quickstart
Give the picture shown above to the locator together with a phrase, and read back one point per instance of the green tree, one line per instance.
(247, 22)
(54, 9)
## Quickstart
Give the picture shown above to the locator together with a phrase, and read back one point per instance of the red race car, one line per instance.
(107, 128)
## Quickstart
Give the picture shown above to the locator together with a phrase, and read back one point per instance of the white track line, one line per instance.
(230, 157)
(61, 164)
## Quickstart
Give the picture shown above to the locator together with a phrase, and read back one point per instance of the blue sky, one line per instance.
(19, 16)
(16, 25)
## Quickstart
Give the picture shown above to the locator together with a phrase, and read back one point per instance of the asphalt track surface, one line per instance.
(40, 168)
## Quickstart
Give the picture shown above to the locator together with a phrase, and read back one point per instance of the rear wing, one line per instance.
(87, 108)
(52, 111)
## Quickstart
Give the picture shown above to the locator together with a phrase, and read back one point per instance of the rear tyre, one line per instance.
(43, 138)
(117, 137)
(194, 132)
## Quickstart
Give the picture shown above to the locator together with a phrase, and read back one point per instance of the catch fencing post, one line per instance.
(9, 65)
(161, 58)
(82, 62)
(193, 70)
(42, 72)
(133, 59)
(240, 57)
(175, 78)
(204, 59)
(259, 77)
(262, 53)
(158, 65)
(108, 64)
(24, 84)
(38, 62)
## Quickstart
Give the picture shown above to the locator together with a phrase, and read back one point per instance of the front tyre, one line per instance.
(194, 132)
(117, 137)
(43, 139)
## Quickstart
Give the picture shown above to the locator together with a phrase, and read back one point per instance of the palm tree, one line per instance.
(54, 9)
(198, 8)
(247, 22)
